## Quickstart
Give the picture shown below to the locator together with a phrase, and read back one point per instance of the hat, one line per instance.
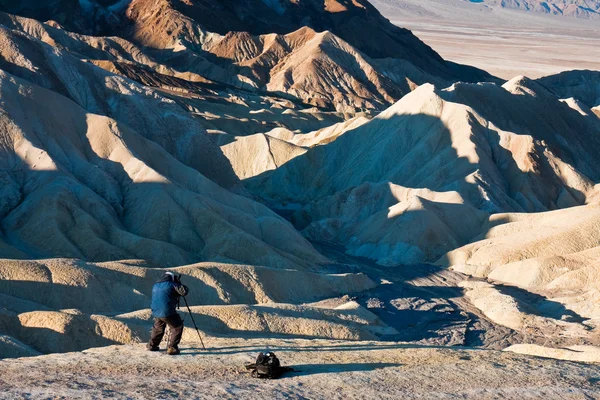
(170, 275)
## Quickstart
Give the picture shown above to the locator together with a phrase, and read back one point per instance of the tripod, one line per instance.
(194, 322)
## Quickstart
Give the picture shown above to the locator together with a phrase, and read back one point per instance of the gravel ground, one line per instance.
(326, 370)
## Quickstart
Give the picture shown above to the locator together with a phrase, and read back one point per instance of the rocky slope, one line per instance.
(581, 85)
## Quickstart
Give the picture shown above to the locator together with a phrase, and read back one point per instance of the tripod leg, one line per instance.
(194, 322)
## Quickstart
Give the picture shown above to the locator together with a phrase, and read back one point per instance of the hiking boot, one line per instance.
(173, 351)
(150, 348)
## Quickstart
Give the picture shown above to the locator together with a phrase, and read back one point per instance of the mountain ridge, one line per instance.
(570, 8)
(181, 36)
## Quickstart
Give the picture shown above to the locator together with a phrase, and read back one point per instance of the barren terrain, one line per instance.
(325, 370)
(506, 43)
(329, 187)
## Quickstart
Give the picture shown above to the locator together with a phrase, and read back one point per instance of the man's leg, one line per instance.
(176, 325)
(158, 331)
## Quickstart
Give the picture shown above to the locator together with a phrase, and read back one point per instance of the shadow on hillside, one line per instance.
(413, 151)
(49, 340)
(551, 122)
(87, 87)
(425, 314)
(128, 214)
(533, 303)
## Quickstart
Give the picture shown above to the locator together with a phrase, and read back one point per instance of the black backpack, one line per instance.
(267, 366)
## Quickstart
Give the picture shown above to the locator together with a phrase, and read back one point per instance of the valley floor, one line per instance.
(507, 52)
(325, 370)
(506, 43)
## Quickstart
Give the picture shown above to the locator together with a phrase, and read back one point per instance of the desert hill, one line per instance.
(86, 173)
(405, 58)
(581, 85)
(138, 145)
(356, 22)
(535, 268)
(319, 68)
(434, 155)
(195, 20)
(110, 217)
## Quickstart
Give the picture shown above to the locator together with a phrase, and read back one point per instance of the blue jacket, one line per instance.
(165, 297)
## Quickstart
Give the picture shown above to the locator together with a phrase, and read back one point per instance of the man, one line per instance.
(165, 298)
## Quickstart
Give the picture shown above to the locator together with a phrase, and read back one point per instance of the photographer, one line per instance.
(165, 298)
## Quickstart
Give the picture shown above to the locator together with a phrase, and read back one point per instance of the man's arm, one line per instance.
(181, 290)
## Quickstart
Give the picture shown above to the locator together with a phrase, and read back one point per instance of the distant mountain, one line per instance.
(449, 9)
(571, 8)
